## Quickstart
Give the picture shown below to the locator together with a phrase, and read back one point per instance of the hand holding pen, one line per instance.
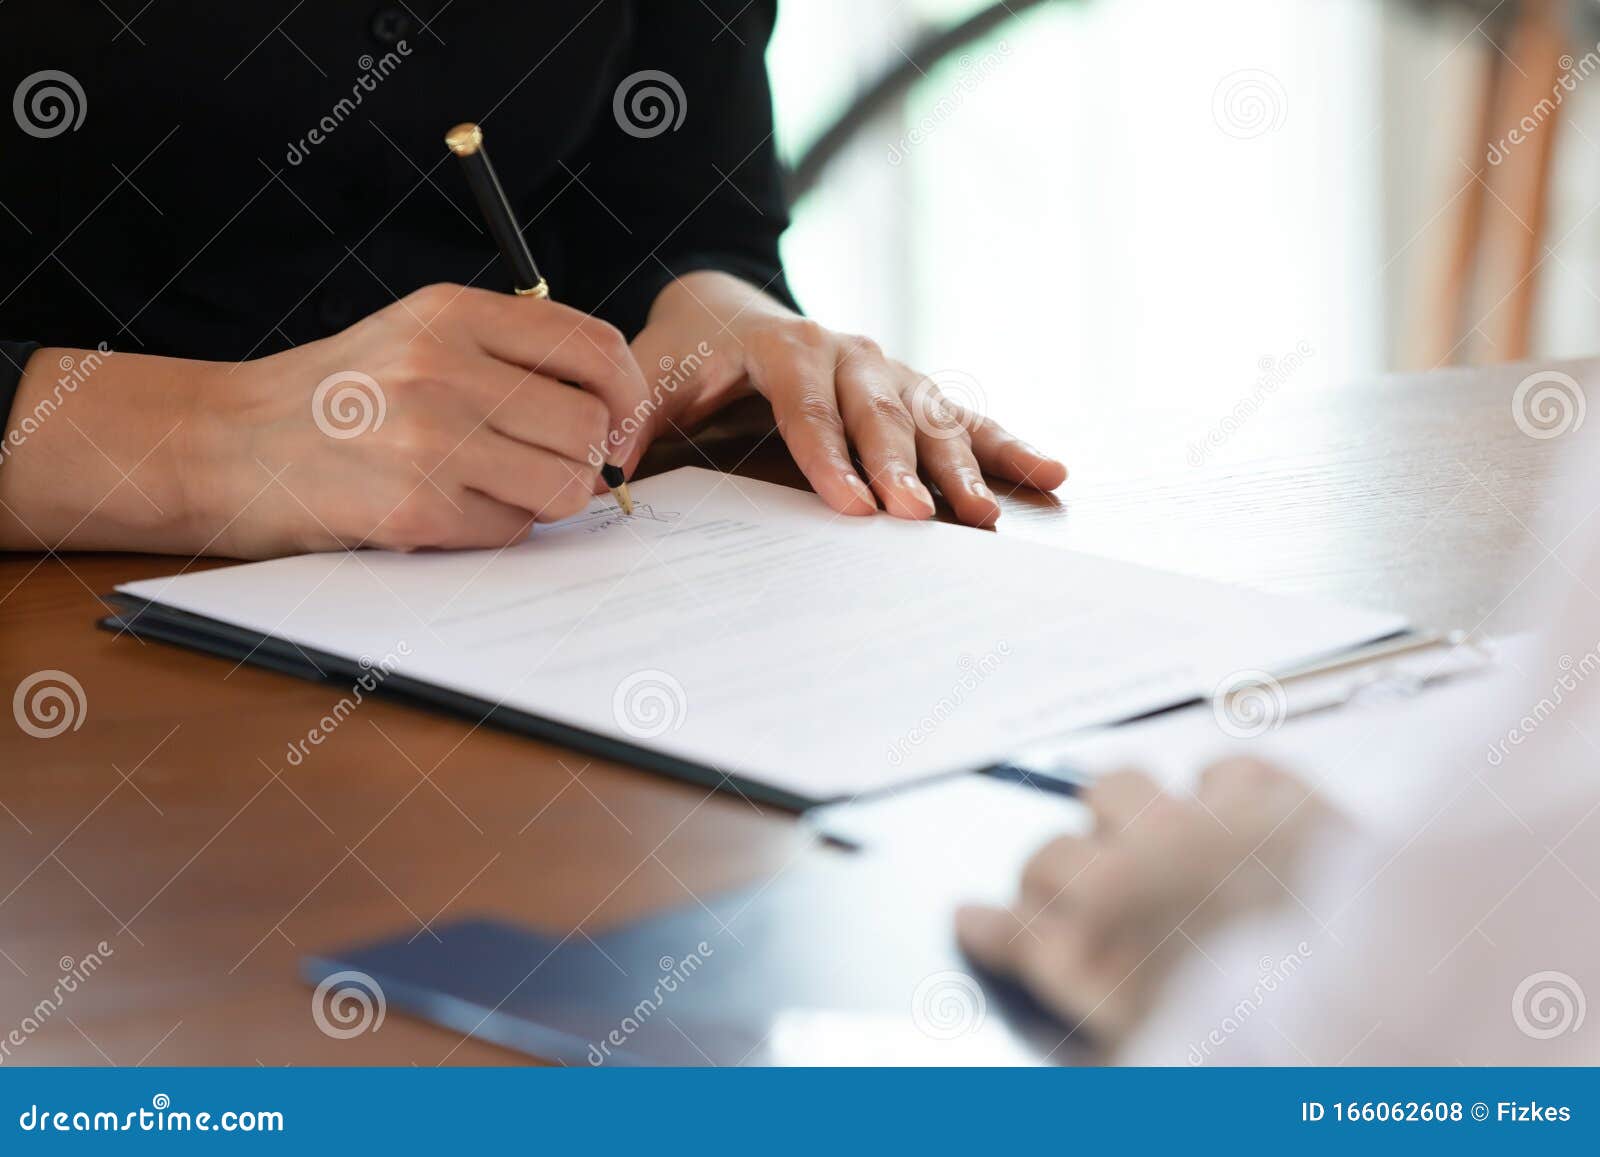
(466, 142)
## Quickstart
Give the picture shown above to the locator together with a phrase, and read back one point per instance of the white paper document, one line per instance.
(745, 627)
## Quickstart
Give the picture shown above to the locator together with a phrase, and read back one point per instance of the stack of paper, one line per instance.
(745, 630)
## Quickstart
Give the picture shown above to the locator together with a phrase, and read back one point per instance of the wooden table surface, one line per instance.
(170, 825)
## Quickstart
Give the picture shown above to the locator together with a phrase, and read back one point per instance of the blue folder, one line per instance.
(848, 959)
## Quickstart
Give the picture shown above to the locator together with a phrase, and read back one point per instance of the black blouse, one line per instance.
(223, 181)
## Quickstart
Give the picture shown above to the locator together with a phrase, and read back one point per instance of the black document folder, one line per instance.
(164, 624)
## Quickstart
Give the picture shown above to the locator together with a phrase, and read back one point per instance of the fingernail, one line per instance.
(854, 482)
(1036, 452)
(911, 483)
(978, 489)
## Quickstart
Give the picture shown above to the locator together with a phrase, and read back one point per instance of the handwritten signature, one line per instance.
(613, 516)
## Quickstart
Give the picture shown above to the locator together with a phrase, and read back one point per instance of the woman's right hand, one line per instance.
(442, 420)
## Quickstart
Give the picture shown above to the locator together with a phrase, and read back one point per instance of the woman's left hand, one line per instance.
(833, 395)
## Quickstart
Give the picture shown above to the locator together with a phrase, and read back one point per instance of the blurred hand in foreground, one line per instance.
(1099, 919)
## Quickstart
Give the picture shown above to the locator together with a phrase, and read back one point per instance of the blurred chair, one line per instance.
(1481, 304)
(892, 84)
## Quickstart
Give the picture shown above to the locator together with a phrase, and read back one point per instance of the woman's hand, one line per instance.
(444, 421)
(479, 435)
(1098, 921)
(834, 395)
(440, 421)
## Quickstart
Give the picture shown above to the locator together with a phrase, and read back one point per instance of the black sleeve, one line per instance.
(655, 197)
(13, 359)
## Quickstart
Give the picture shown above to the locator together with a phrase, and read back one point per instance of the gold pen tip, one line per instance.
(465, 139)
(624, 499)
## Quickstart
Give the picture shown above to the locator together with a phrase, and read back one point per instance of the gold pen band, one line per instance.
(540, 291)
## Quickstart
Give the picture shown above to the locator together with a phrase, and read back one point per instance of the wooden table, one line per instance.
(171, 826)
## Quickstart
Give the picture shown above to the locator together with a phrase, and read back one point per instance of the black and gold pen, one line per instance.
(466, 142)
